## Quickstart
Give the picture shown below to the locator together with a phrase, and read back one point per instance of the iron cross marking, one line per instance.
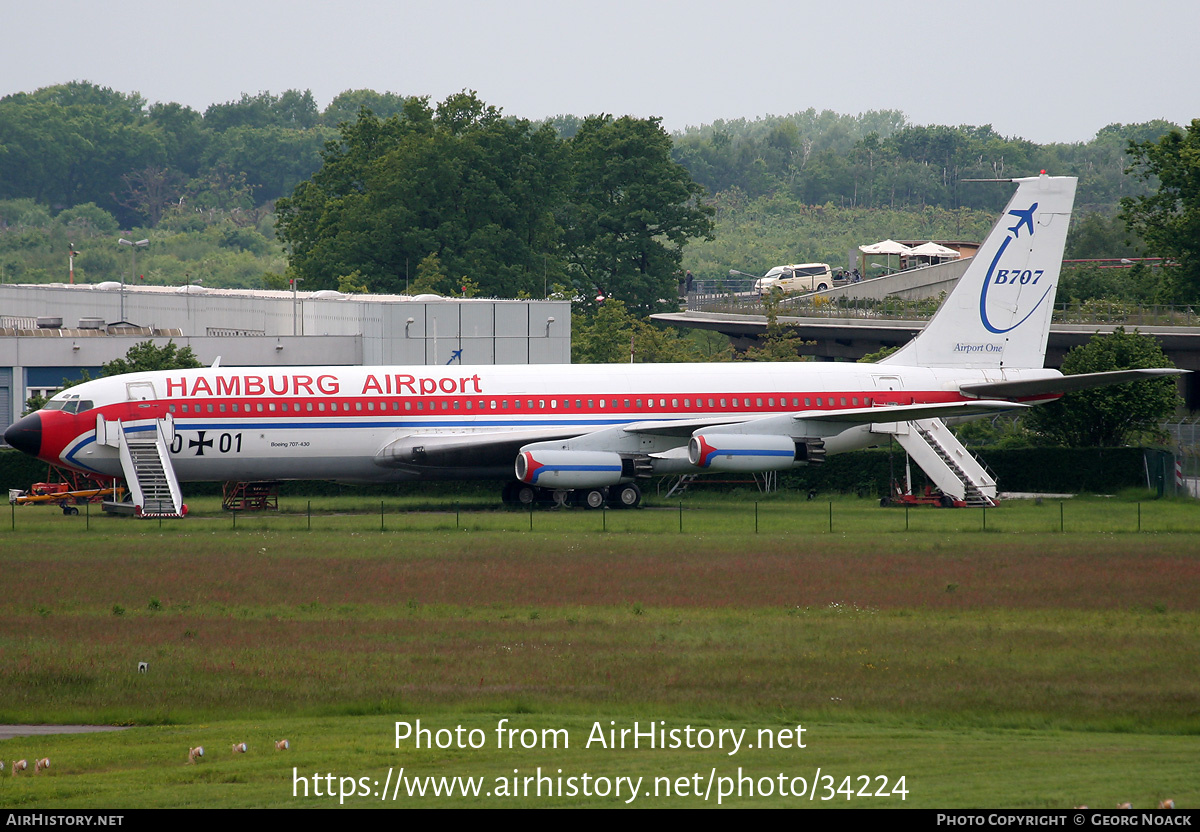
(200, 443)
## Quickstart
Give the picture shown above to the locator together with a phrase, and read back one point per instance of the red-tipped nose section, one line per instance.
(26, 435)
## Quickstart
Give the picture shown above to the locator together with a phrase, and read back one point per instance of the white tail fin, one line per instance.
(998, 315)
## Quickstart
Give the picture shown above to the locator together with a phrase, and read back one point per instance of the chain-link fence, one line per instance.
(1185, 436)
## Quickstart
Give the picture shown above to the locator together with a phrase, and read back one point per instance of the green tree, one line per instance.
(462, 182)
(1108, 416)
(779, 342)
(1169, 220)
(607, 336)
(631, 209)
(145, 357)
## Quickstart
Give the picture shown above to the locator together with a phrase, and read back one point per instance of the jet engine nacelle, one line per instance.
(744, 452)
(570, 469)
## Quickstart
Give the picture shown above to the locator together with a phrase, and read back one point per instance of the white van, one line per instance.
(799, 277)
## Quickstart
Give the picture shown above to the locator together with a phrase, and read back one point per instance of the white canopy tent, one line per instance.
(887, 247)
(932, 249)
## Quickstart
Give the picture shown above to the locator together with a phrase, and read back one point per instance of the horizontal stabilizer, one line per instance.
(1064, 384)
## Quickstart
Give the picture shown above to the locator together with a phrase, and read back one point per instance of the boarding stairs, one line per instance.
(945, 460)
(146, 463)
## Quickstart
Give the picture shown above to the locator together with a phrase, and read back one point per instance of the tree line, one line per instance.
(464, 199)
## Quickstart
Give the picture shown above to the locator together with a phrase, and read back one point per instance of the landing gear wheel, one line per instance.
(625, 496)
(559, 497)
(527, 495)
(590, 497)
(947, 501)
(884, 502)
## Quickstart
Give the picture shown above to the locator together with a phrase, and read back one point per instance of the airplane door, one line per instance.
(148, 406)
(140, 391)
(888, 389)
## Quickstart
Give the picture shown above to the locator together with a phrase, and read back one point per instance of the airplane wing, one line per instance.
(465, 450)
(1063, 384)
(492, 453)
(857, 416)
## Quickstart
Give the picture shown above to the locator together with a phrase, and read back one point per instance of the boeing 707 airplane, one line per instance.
(590, 433)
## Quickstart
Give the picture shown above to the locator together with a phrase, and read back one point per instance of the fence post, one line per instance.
(756, 516)
(831, 515)
(309, 512)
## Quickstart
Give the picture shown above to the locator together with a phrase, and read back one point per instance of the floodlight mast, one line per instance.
(133, 247)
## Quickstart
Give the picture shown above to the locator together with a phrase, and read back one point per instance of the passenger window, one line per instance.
(260, 407)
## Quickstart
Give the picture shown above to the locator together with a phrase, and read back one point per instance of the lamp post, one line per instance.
(295, 280)
(71, 254)
(133, 247)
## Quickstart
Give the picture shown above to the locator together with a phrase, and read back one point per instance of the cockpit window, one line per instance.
(53, 405)
(72, 406)
(85, 405)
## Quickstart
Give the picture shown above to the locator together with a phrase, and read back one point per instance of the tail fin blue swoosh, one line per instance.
(998, 315)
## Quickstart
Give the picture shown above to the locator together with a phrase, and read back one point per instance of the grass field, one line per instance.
(990, 660)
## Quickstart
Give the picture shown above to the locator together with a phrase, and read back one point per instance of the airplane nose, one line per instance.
(26, 434)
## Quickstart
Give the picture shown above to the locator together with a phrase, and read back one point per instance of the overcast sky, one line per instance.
(1045, 70)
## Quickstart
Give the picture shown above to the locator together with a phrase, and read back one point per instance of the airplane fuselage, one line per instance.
(332, 422)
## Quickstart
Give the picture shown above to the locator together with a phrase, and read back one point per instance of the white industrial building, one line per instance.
(53, 332)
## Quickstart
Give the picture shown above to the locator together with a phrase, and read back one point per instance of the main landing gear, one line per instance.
(617, 496)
